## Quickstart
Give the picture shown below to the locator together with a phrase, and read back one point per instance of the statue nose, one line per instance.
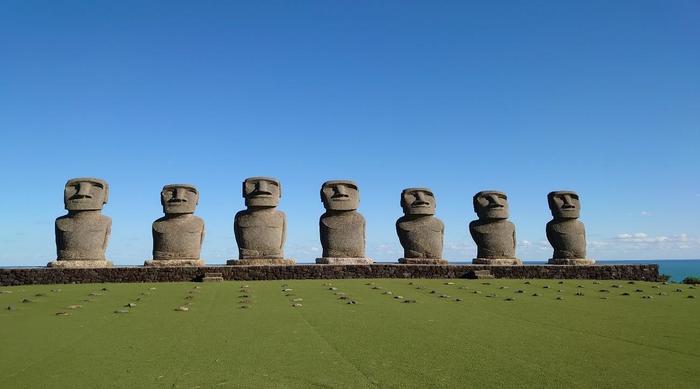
(84, 190)
(568, 204)
(262, 187)
(340, 191)
(179, 196)
(420, 199)
(494, 202)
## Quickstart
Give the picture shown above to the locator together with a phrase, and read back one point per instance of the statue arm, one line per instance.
(284, 232)
(153, 236)
(59, 240)
(236, 233)
(108, 232)
(549, 234)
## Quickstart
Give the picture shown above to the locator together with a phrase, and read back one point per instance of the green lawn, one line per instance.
(457, 333)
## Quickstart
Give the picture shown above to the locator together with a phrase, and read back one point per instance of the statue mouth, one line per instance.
(81, 199)
(261, 194)
(420, 204)
(340, 197)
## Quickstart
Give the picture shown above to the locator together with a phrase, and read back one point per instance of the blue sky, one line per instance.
(526, 97)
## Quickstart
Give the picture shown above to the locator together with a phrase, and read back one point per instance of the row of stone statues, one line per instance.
(260, 229)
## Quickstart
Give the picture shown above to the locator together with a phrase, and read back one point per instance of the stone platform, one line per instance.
(173, 262)
(260, 262)
(422, 261)
(497, 261)
(80, 264)
(344, 261)
(43, 275)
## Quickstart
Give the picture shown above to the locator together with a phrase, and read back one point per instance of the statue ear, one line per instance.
(106, 189)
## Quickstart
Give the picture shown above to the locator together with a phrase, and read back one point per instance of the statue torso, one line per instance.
(421, 237)
(343, 234)
(494, 239)
(259, 233)
(82, 237)
(567, 237)
(178, 238)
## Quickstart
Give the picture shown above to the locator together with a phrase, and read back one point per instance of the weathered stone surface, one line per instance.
(178, 236)
(565, 232)
(420, 233)
(82, 235)
(24, 276)
(213, 277)
(497, 261)
(344, 261)
(423, 261)
(259, 262)
(260, 229)
(82, 263)
(341, 227)
(174, 262)
(493, 233)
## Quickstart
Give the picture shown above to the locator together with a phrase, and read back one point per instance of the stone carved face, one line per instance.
(262, 192)
(340, 195)
(491, 204)
(179, 198)
(85, 194)
(418, 201)
(564, 204)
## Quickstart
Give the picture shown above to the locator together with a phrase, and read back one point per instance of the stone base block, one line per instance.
(344, 261)
(571, 261)
(497, 261)
(423, 261)
(174, 262)
(260, 261)
(80, 264)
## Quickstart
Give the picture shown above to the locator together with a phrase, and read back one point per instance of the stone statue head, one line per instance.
(564, 204)
(179, 198)
(262, 192)
(418, 201)
(85, 194)
(340, 195)
(491, 204)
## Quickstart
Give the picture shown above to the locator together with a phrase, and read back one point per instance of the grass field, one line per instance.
(399, 333)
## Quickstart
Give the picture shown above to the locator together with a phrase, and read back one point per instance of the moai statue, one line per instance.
(493, 233)
(565, 232)
(261, 229)
(342, 228)
(420, 233)
(178, 236)
(82, 234)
